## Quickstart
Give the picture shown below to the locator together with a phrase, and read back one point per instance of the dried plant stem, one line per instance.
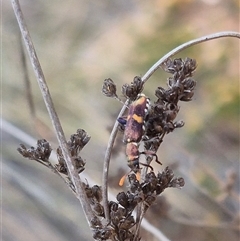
(187, 45)
(107, 162)
(80, 192)
(138, 225)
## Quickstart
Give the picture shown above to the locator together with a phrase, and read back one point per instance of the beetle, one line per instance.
(134, 130)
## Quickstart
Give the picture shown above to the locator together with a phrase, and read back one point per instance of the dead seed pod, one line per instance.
(109, 88)
(134, 89)
(41, 152)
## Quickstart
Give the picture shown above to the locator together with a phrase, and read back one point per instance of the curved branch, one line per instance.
(107, 162)
(185, 46)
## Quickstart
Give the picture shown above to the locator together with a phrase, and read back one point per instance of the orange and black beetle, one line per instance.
(134, 130)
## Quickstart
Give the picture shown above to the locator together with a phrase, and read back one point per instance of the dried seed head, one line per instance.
(149, 200)
(88, 190)
(117, 216)
(179, 124)
(98, 209)
(96, 223)
(61, 166)
(113, 206)
(102, 233)
(109, 88)
(190, 66)
(128, 223)
(134, 183)
(79, 164)
(78, 141)
(181, 85)
(23, 150)
(177, 182)
(41, 153)
(126, 235)
(122, 199)
(97, 193)
(131, 91)
(180, 67)
(163, 112)
(43, 149)
(165, 180)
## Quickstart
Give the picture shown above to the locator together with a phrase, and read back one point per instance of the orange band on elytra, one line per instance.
(137, 118)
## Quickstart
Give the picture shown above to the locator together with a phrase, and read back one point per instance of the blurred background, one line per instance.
(81, 43)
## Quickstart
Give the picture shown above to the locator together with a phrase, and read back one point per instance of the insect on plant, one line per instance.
(145, 124)
(134, 131)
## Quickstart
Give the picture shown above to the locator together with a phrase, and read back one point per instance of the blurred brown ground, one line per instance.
(81, 43)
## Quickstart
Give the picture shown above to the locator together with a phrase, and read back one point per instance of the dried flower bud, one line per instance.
(189, 84)
(96, 223)
(23, 151)
(134, 183)
(109, 88)
(149, 200)
(153, 144)
(177, 182)
(179, 124)
(79, 164)
(88, 190)
(190, 66)
(61, 166)
(125, 235)
(117, 216)
(133, 200)
(160, 93)
(40, 153)
(113, 206)
(98, 209)
(102, 233)
(97, 193)
(187, 96)
(128, 223)
(121, 212)
(78, 141)
(122, 199)
(43, 149)
(131, 91)
(173, 66)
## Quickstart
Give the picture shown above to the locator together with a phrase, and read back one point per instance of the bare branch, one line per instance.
(107, 162)
(185, 46)
(80, 192)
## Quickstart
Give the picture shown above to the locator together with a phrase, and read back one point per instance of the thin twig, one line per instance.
(107, 162)
(187, 45)
(80, 193)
